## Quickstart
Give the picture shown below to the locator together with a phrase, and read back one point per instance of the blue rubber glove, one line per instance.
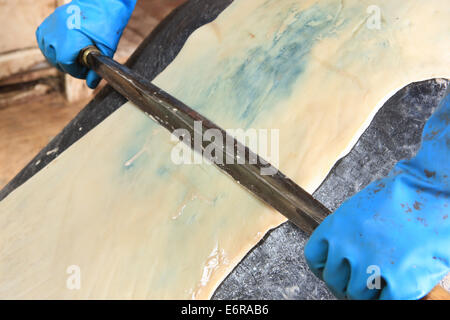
(81, 23)
(399, 226)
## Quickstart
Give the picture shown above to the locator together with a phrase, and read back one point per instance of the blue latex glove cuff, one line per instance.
(398, 225)
(81, 23)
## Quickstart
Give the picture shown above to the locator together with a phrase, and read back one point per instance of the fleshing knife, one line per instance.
(277, 190)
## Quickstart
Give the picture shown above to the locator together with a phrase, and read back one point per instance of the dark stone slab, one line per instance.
(275, 268)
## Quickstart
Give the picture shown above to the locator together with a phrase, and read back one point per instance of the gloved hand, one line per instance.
(399, 225)
(81, 23)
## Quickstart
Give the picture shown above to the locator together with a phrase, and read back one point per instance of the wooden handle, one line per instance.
(438, 293)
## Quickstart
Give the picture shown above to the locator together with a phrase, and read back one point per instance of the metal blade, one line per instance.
(277, 190)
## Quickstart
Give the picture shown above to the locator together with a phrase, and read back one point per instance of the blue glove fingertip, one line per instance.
(92, 79)
(50, 54)
(316, 251)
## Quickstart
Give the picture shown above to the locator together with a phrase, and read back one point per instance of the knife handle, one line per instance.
(82, 56)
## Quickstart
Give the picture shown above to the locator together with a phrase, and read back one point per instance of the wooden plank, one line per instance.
(19, 61)
(28, 76)
(26, 127)
(19, 19)
(76, 89)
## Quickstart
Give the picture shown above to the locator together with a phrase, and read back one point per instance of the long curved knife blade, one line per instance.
(275, 189)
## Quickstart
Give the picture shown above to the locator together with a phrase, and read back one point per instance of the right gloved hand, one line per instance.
(397, 229)
(81, 23)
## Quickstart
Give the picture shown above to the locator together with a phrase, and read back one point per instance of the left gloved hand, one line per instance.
(398, 226)
(79, 24)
